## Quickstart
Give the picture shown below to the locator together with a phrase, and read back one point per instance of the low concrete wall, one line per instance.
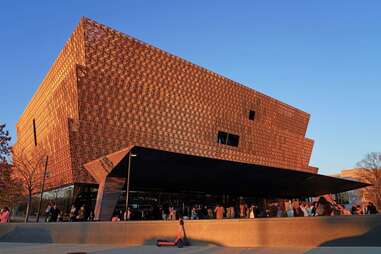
(272, 232)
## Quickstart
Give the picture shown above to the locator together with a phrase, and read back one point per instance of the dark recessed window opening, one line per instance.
(34, 132)
(222, 137)
(227, 139)
(251, 114)
(233, 140)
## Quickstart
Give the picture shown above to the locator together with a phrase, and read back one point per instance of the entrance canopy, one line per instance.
(173, 172)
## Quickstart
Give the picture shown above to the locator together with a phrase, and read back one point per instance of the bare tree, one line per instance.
(10, 188)
(27, 168)
(370, 172)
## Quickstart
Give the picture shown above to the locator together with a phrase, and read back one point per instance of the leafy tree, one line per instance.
(370, 172)
(5, 148)
(10, 189)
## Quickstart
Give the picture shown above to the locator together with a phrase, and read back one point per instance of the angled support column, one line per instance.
(110, 187)
(108, 194)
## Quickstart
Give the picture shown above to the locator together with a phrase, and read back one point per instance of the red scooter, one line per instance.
(179, 241)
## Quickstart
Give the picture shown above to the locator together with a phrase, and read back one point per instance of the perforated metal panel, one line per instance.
(107, 90)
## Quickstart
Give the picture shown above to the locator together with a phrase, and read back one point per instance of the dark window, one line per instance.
(233, 140)
(227, 139)
(222, 137)
(34, 132)
(251, 114)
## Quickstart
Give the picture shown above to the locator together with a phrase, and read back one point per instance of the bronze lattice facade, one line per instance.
(107, 91)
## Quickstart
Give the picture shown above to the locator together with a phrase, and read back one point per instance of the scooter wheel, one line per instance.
(180, 243)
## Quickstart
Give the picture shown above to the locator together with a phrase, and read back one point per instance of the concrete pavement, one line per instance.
(331, 231)
(35, 248)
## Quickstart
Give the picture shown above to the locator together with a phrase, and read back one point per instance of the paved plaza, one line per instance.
(35, 248)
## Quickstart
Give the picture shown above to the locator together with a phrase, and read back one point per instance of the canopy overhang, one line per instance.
(166, 171)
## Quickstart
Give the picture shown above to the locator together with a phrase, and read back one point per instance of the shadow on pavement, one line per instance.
(370, 238)
(27, 235)
(192, 242)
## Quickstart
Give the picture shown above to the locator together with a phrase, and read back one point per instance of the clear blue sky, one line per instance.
(323, 57)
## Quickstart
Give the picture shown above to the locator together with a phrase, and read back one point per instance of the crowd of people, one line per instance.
(369, 209)
(288, 208)
(281, 208)
(54, 214)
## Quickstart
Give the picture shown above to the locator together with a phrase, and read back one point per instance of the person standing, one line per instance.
(308, 208)
(73, 211)
(91, 216)
(219, 211)
(172, 213)
(280, 210)
(210, 213)
(304, 207)
(242, 209)
(54, 212)
(4, 215)
(232, 212)
(228, 213)
(204, 212)
(48, 213)
(81, 214)
(127, 214)
(313, 208)
(165, 212)
(252, 211)
(371, 208)
(359, 210)
(194, 215)
(289, 210)
(296, 208)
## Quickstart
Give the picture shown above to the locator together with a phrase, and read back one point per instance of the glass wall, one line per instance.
(64, 197)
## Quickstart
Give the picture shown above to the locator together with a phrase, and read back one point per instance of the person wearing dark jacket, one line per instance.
(53, 213)
(371, 208)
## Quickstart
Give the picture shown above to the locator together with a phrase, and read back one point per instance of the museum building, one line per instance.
(109, 96)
